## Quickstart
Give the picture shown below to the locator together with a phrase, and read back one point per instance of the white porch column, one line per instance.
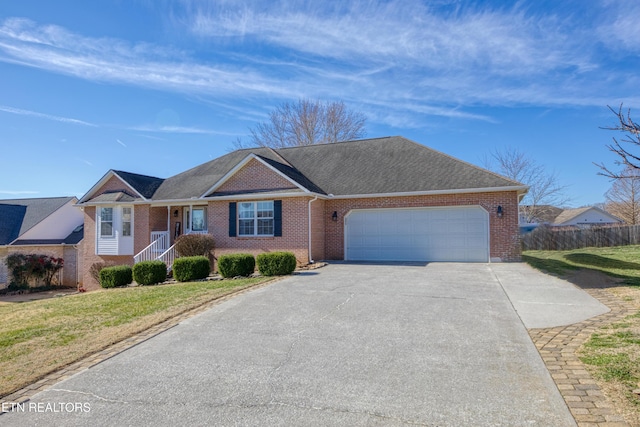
(169, 225)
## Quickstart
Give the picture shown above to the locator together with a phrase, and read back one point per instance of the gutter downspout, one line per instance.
(311, 261)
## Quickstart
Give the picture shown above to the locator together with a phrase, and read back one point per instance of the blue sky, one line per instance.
(157, 87)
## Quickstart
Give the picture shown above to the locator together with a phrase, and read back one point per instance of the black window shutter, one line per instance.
(232, 219)
(277, 218)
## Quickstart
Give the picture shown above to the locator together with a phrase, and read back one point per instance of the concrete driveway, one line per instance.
(434, 345)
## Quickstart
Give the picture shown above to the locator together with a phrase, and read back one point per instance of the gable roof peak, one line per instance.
(21, 215)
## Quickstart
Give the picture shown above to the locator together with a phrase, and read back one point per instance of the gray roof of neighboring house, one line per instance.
(368, 166)
(11, 218)
(569, 214)
(17, 216)
(73, 238)
(543, 213)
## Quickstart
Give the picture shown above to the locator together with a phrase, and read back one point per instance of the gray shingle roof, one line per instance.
(73, 238)
(387, 165)
(115, 196)
(196, 181)
(11, 217)
(19, 215)
(569, 214)
(369, 166)
(143, 184)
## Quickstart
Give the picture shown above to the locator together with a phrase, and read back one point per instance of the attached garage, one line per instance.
(459, 234)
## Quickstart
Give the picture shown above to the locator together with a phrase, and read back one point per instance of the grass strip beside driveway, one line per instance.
(612, 353)
(622, 262)
(40, 337)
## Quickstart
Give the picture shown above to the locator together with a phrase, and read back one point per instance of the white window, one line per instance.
(126, 222)
(255, 219)
(106, 222)
(114, 229)
(199, 219)
(195, 219)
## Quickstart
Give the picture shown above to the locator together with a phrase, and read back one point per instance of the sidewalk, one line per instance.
(558, 347)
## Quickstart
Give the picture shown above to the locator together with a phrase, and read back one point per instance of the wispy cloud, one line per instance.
(22, 112)
(175, 129)
(390, 58)
(85, 161)
(121, 143)
(55, 49)
(507, 42)
(619, 30)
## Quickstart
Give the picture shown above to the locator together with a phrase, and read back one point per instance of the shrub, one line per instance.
(51, 266)
(236, 265)
(119, 275)
(14, 286)
(191, 268)
(276, 263)
(150, 272)
(189, 245)
(96, 267)
(17, 265)
(32, 267)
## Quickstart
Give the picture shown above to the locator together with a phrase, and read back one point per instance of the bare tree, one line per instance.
(627, 159)
(623, 198)
(545, 190)
(307, 122)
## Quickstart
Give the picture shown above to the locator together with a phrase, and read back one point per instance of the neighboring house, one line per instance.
(585, 217)
(47, 226)
(382, 199)
(540, 214)
(556, 217)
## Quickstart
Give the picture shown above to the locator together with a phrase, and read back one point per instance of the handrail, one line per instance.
(168, 257)
(158, 245)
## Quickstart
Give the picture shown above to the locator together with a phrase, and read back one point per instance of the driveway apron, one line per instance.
(347, 344)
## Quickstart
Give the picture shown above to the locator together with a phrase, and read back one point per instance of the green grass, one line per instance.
(613, 367)
(622, 262)
(39, 337)
(612, 353)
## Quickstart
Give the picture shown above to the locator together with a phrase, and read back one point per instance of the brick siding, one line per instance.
(294, 230)
(327, 239)
(318, 214)
(71, 273)
(255, 176)
(503, 232)
(114, 184)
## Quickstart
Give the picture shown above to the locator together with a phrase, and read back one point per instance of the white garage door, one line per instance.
(421, 234)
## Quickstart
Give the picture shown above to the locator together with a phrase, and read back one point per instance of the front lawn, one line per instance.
(612, 353)
(40, 337)
(622, 262)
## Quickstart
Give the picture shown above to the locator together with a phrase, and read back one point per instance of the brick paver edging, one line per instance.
(24, 394)
(558, 346)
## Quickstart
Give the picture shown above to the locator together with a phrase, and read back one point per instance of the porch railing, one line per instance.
(159, 245)
(168, 257)
(159, 249)
(162, 237)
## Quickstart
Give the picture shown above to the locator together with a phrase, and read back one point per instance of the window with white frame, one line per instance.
(114, 230)
(126, 222)
(198, 219)
(255, 219)
(106, 222)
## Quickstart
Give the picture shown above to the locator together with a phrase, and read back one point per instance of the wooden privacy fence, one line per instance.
(558, 239)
